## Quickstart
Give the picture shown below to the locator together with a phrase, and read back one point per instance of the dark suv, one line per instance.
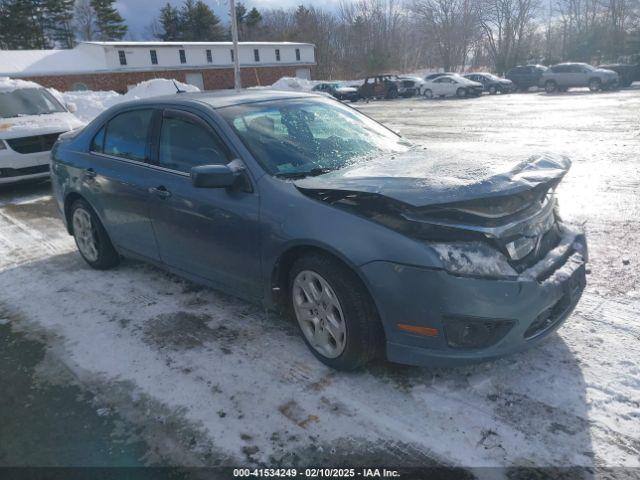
(379, 86)
(526, 76)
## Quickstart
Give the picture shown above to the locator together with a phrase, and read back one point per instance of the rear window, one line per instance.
(125, 135)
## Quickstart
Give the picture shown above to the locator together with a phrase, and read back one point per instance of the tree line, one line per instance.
(43, 24)
(362, 37)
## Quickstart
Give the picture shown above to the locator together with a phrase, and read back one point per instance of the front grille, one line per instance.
(35, 144)
(19, 172)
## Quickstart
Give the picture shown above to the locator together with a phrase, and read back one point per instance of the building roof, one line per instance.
(48, 62)
(200, 44)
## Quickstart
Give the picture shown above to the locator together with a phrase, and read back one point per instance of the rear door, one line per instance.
(211, 233)
(117, 180)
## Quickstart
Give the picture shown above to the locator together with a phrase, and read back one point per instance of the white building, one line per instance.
(118, 65)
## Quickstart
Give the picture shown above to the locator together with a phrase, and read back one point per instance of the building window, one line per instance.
(183, 56)
(277, 54)
(123, 57)
(209, 57)
(256, 54)
(154, 57)
(297, 54)
(232, 59)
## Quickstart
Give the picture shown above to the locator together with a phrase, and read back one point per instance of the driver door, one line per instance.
(210, 233)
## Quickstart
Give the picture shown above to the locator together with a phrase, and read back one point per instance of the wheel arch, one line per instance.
(69, 200)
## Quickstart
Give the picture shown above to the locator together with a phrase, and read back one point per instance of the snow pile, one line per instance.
(90, 104)
(158, 87)
(294, 84)
(10, 84)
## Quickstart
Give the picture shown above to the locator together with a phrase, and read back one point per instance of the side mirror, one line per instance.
(214, 176)
(72, 107)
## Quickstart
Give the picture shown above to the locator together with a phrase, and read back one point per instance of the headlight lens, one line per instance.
(474, 259)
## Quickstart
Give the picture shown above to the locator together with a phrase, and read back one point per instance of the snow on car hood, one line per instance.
(30, 125)
(422, 177)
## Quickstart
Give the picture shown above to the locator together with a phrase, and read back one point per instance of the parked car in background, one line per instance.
(428, 260)
(451, 86)
(408, 86)
(564, 76)
(379, 86)
(492, 83)
(31, 119)
(433, 76)
(525, 76)
(339, 91)
(628, 70)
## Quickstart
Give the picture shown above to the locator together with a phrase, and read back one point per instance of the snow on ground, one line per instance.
(237, 385)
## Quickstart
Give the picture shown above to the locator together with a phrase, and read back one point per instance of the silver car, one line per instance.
(563, 76)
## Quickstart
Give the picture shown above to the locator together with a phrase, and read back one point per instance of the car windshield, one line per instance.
(301, 137)
(28, 101)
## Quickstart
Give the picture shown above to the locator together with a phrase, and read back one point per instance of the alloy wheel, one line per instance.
(319, 314)
(84, 234)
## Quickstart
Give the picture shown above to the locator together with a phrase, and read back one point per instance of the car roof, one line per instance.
(224, 98)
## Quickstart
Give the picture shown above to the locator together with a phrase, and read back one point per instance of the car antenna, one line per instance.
(178, 89)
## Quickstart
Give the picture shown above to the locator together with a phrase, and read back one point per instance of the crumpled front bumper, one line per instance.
(535, 304)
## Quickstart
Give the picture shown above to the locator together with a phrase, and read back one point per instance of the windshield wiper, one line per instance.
(314, 172)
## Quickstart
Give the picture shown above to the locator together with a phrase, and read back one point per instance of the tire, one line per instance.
(363, 338)
(493, 90)
(595, 84)
(550, 86)
(461, 92)
(427, 93)
(103, 256)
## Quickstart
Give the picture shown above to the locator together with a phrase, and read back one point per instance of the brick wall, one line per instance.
(214, 78)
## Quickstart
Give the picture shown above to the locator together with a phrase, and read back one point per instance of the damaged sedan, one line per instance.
(374, 245)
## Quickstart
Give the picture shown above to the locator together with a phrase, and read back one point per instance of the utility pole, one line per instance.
(234, 37)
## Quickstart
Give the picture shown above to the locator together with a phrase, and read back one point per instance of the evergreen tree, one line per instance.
(171, 23)
(109, 23)
(199, 23)
(21, 25)
(252, 24)
(58, 22)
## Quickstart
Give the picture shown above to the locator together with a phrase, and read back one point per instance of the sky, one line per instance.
(140, 13)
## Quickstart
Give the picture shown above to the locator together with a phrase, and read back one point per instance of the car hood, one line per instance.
(424, 178)
(606, 71)
(31, 125)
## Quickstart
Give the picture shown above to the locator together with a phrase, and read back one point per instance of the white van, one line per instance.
(31, 118)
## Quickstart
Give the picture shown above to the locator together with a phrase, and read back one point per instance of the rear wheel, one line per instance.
(461, 92)
(493, 90)
(335, 313)
(595, 84)
(91, 238)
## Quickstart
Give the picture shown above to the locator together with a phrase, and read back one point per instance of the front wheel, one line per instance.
(595, 84)
(335, 313)
(461, 92)
(493, 90)
(427, 93)
(91, 238)
(550, 86)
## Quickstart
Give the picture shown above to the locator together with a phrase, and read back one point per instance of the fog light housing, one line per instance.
(475, 332)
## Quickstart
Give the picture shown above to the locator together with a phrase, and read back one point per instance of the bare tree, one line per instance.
(85, 20)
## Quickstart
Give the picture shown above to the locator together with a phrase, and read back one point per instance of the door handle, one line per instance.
(160, 192)
(90, 173)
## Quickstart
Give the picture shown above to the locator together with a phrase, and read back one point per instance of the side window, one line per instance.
(126, 135)
(97, 144)
(185, 144)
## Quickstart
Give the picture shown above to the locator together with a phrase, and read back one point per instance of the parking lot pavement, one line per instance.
(209, 379)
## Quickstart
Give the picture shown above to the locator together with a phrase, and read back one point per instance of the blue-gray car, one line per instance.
(293, 200)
